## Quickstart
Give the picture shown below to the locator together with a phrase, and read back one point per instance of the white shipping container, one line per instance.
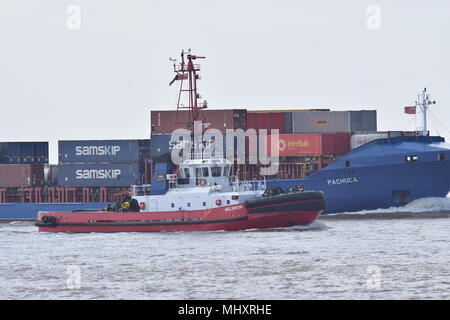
(334, 121)
(358, 139)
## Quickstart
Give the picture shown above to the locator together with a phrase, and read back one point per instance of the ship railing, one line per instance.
(250, 185)
(207, 155)
(175, 183)
(141, 190)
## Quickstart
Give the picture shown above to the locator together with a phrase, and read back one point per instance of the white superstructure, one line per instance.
(200, 184)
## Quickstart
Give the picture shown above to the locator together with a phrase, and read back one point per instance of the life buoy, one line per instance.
(218, 202)
(142, 205)
(281, 145)
(125, 205)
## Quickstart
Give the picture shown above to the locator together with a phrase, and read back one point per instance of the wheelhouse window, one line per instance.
(216, 171)
(186, 172)
(226, 170)
(205, 172)
(411, 158)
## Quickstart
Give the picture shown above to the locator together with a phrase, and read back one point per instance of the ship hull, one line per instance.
(28, 211)
(378, 182)
(229, 218)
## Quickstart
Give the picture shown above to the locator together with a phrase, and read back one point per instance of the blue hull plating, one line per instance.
(29, 211)
(378, 175)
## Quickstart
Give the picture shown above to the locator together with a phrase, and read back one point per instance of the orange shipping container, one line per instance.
(314, 144)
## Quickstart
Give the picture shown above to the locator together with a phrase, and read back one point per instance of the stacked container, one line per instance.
(265, 120)
(103, 163)
(3, 152)
(21, 175)
(334, 121)
(165, 122)
(312, 144)
(309, 138)
(22, 164)
(23, 152)
(275, 119)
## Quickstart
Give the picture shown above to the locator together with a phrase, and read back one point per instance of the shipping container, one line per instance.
(364, 120)
(292, 145)
(288, 122)
(265, 120)
(51, 175)
(93, 151)
(3, 151)
(99, 175)
(287, 117)
(334, 121)
(41, 152)
(284, 110)
(361, 138)
(21, 175)
(165, 122)
(26, 152)
(162, 145)
(341, 143)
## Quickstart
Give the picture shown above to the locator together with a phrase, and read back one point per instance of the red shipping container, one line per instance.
(165, 122)
(21, 175)
(313, 144)
(342, 143)
(266, 120)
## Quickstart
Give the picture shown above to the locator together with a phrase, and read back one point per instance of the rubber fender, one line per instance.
(285, 197)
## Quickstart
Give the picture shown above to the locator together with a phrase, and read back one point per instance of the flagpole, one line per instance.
(424, 111)
(423, 101)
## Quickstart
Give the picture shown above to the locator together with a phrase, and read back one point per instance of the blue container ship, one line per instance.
(381, 174)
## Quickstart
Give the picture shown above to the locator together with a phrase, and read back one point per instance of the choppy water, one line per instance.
(371, 257)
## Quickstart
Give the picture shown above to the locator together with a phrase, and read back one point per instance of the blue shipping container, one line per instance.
(162, 145)
(159, 145)
(26, 152)
(92, 151)
(3, 149)
(99, 175)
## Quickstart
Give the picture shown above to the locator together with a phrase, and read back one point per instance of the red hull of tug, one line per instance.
(230, 218)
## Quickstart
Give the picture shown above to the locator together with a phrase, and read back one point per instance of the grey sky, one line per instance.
(101, 81)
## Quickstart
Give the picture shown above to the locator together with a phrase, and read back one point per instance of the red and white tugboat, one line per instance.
(204, 197)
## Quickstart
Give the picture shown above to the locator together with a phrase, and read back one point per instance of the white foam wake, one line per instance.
(436, 207)
(428, 204)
